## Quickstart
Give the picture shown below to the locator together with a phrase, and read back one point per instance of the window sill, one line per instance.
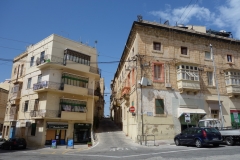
(230, 63)
(211, 86)
(160, 115)
(185, 56)
(157, 51)
(208, 59)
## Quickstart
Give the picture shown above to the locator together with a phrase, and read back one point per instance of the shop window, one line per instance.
(156, 46)
(184, 50)
(159, 106)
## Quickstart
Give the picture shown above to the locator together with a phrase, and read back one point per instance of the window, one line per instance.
(42, 60)
(15, 70)
(158, 72)
(73, 105)
(25, 107)
(21, 73)
(36, 104)
(74, 80)
(29, 83)
(39, 78)
(187, 73)
(210, 78)
(184, 50)
(32, 60)
(208, 55)
(232, 78)
(157, 46)
(159, 106)
(214, 113)
(229, 58)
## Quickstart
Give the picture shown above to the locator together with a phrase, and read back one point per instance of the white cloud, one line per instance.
(229, 16)
(226, 16)
(183, 15)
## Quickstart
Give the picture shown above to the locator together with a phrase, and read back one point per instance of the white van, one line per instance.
(209, 123)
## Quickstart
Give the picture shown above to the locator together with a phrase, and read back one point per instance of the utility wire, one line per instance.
(184, 10)
(190, 9)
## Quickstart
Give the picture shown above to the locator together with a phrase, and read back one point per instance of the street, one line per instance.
(113, 144)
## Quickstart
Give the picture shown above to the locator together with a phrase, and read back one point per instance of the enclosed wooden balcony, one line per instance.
(233, 90)
(188, 86)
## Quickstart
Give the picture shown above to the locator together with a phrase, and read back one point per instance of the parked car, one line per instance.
(0, 135)
(1, 142)
(14, 143)
(199, 137)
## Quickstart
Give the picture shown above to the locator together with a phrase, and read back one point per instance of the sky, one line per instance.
(108, 22)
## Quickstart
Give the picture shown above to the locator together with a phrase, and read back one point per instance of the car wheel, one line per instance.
(216, 145)
(177, 142)
(229, 141)
(198, 143)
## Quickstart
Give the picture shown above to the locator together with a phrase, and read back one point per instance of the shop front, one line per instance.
(82, 132)
(235, 118)
(56, 131)
(194, 116)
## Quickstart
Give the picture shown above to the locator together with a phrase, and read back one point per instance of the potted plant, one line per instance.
(89, 144)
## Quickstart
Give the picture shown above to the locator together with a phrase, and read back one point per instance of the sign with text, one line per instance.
(70, 143)
(187, 118)
(54, 144)
(235, 115)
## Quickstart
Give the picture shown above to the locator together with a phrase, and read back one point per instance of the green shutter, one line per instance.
(159, 106)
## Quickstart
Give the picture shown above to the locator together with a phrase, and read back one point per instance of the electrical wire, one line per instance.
(184, 10)
(190, 9)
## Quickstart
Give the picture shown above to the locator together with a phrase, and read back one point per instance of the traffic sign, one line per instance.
(187, 118)
(132, 109)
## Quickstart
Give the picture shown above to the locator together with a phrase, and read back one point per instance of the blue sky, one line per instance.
(109, 22)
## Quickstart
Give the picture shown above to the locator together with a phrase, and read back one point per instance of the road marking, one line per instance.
(138, 155)
(122, 149)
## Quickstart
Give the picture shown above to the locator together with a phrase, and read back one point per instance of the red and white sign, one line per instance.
(132, 109)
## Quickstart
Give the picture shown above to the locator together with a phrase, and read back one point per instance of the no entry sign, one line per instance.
(132, 109)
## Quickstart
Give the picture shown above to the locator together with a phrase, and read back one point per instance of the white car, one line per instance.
(0, 135)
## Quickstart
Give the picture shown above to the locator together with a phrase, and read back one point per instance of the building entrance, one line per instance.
(82, 132)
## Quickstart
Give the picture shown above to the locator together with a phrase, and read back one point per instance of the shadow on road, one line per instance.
(107, 125)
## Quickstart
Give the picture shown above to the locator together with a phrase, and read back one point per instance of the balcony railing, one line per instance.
(45, 113)
(91, 91)
(125, 90)
(48, 58)
(48, 84)
(95, 70)
(233, 90)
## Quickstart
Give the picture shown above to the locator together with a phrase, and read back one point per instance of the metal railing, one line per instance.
(47, 58)
(144, 138)
(95, 70)
(45, 113)
(48, 84)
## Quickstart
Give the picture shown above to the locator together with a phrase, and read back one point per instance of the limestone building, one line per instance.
(57, 94)
(166, 72)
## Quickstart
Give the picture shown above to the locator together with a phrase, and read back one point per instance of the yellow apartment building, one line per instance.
(166, 72)
(57, 94)
(4, 89)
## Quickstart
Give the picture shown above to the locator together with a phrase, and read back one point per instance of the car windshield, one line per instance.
(209, 130)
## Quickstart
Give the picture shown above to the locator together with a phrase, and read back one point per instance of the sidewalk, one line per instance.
(61, 147)
(159, 142)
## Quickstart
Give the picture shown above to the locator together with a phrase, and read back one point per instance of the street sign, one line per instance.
(187, 118)
(132, 109)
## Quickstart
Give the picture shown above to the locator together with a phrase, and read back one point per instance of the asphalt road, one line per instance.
(113, 144)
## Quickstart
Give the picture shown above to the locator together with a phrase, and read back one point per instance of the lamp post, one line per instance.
(219, 102)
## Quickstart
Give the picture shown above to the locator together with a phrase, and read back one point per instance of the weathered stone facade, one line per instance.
(198, 93)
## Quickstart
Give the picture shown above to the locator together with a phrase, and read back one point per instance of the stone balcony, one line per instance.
(233, 90)
(188, 86)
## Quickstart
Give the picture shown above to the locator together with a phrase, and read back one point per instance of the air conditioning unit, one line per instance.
(168, 85)
(149, 83)
(144, 81)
